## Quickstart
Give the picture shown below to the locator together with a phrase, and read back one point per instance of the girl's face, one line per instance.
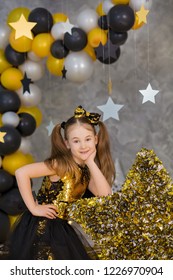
(82, 141)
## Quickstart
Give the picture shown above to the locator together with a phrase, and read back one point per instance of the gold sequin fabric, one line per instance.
(137, 222)
(63, 192)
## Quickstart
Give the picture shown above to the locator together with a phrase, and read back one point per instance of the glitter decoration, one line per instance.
(137, 222)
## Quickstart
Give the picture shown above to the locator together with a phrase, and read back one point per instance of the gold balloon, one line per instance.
(90, 51)
(12, 162)
(59, 17)
(23, 44)
(97, 36)
(55, 65)
(117, 2)
(99, 9)
(34, 111)
(41, 44)
(11, 78)
(16, 13)
(137, 25)
(4, 64)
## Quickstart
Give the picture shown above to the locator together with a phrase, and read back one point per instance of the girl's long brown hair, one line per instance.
(61, 159)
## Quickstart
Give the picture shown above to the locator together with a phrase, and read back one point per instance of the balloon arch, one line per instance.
(70, 52)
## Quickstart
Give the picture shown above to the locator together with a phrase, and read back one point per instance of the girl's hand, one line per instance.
(91, 157)
(47, 211)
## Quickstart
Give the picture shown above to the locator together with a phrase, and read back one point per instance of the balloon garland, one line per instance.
(27, 40)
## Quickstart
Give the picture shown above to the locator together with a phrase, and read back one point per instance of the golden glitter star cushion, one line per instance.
(137, 222)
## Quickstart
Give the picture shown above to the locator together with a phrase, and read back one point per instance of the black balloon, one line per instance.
(43, 18)
(4, 226)
(27, 124)
(121, 18)
(6, 181)
(12, 140)
(13, 57)
(118, 38)
(107, 53)
(9, 101)
(103, 22)
(77, 41)
(58, 49)
(12, 203)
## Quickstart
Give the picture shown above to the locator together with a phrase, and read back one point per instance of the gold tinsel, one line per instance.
(137, 222)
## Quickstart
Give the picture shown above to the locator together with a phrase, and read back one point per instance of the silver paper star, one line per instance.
(50, 128)
(110, 109)
(67, 26)
(149, 94)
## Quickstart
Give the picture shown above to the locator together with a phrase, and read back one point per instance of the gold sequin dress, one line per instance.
(41, 238)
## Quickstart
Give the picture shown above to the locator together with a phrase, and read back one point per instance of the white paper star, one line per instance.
(149, 94)
(50, 128)
(67, 26)
(110, 109)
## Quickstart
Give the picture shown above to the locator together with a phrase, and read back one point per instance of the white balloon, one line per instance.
(0, 161)
(4, 35)
(34, 70)
(79, 66)
(25, 145)
(137, 4)
(107, 5)
(31, 98)
(10, 118)
(87, 19)
(32, 56)
(58, 30)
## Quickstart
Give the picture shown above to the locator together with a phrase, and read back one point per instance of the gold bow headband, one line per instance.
(80, 112)
(92, 117)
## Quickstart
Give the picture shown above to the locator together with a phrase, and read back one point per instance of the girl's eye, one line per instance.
(88, 139)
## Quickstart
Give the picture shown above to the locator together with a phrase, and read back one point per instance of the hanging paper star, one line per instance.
(149, 94)
(2, 135)
(26, 82)
(142, 14)
(67, 26)
(23, 27)
(50, 127)
(110, 109)
(64, 71)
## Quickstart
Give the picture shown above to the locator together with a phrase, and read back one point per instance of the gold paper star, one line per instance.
(23, 27)
(142, 14)
(2, 135)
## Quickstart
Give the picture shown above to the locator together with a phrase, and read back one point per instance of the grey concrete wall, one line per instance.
(146, 57)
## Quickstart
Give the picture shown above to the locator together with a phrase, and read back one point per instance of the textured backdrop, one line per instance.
(146, 57)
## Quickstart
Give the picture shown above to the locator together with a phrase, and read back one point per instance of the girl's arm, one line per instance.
(98, 184)
(23, 177)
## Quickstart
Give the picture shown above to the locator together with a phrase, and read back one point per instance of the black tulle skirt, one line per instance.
(37, 238)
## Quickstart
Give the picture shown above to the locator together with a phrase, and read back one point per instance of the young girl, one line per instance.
(80, 159)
